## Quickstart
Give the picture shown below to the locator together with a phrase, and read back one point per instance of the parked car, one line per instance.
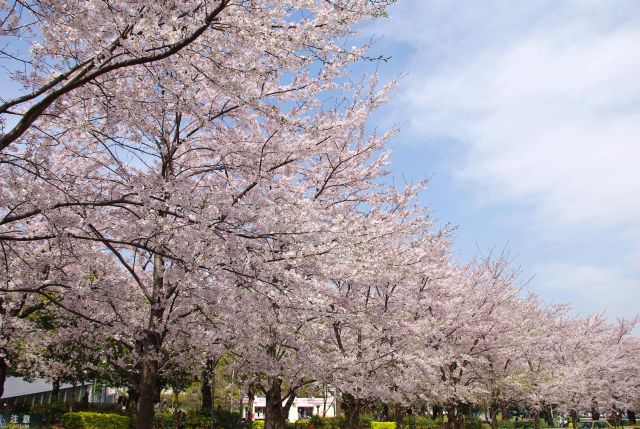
(594, 424)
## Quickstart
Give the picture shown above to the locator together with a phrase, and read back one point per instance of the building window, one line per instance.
(259, 412)
(305, 412)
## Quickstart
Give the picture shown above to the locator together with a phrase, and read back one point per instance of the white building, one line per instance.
(302, 408)
(39, 391)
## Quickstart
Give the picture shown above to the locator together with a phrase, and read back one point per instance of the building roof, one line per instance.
(16, 386)
(298, 402)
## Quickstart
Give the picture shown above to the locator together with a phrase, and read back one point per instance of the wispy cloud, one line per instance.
(599, 288)
(543, 97)
(549, 109)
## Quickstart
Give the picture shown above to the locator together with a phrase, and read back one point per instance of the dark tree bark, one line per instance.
(351, 406)
(213, 386)
(205, 390)
(399, 411)
(149, 347)
(455, 418)
(574, 418)
(631, 415)
(147, 391)
(132, 392)
(251, 396)
(55, 392)
(506, 415)
(493, 413)
(384, 415)
(536, 419)
(548, 416)
(595, 414)
(276, 413)
(616, 417)
(436, 411)
(3, 374)
(73, 395)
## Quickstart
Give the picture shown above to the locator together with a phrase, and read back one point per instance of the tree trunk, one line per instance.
(615, 417)
(631, 415)
(454, 418)
(461, 420)
(574, 418)
(436, 412)
(250, 396)
(213, 394)
(3, 374)
(384, 415)
(55, 391)
(493, 412)
(132, 392)
(148, 382)
(73, 395)
(536, 419)
(205, 390)
(274, 417)
(595, 415)
(506, 415)
(149, 348)
(548, 415)
(399, 416)
(351, 406)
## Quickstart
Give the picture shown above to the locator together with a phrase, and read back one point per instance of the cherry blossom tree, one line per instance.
(65, 52)
(177, 177)
(180, 185)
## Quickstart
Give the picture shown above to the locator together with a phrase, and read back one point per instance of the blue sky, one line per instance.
(527, 116)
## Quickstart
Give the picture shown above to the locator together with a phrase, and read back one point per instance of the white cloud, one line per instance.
(546, 101)
(590, 288)
(551, 114)
(543, 98)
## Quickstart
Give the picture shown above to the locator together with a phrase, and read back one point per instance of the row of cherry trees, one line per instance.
(185, 180)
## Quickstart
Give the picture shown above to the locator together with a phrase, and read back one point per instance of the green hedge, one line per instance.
(472, 422)
(522, 424)
(383, 425)
(302, 423)
(200, 420)
(322, 423)
(258, 424)
(51, 413)
(163, 421)
(88, 420)
(334, 422)
(365, 421)
(422, 422)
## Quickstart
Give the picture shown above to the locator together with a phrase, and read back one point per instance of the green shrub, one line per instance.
(163, 421)
(422, 422)
(258, 424)
(88, 420)
(51, 413)
(202, 420)
(318, 422)
(226, 419)
(197, 421)
(383, 425)
(524, 424)
(506, 424)
(72, 421)
(335, 423)
(472, 422)
(365, 421)
(302, 424)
